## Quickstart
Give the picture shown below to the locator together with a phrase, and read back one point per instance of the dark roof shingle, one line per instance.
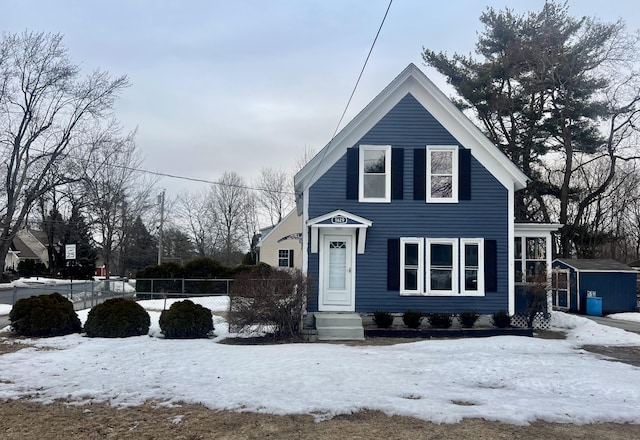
(595, 264)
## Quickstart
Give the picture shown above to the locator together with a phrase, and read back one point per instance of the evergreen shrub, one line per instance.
(468, 319)
(412, 318)
(117, 318)
(186, 320)
(383, 319)
(44, 315)
(501, 319)
(31, 268)
(440, 320)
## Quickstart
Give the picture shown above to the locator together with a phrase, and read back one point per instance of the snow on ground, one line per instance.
(508, 378)
(635, 317)
(582, 331)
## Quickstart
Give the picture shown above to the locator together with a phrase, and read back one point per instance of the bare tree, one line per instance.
(304, 157)
(251, 225)
(45, 108)
(196, 214)
(229, 202)
(116, 194)
(275, 196)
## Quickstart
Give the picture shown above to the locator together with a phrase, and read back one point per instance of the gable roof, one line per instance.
(634, 263)
(412, 81)
(24, 251)
(266, 232)
(595, 265)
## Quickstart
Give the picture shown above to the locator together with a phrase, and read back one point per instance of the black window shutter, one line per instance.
(420, 174)
(490, 265)
(397, 173)
(393, 264)
(352, 173)
(464, 174)
(290, 257)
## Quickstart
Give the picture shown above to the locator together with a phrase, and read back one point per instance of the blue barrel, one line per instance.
(594, 306)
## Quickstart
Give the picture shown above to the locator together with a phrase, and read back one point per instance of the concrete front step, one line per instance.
(339, 326)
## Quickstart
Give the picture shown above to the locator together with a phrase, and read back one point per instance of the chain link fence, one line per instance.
(84, 294)
(160, 293)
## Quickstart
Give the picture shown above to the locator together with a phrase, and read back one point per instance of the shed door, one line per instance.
(560, 289)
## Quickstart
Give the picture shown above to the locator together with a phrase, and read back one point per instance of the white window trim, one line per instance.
(420, 242)
(387, 171)
(463, 266)
(289, 262)
(523, 255)
(455, 269)
(454, 172)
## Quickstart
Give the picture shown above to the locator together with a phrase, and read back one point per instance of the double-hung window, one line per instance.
(375, 173)
(442, 266)
(285, 258)
(472, 266)
(442, 174)
(411, 265)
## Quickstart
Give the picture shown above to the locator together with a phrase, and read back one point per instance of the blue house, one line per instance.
(575, 280)
(410, 206)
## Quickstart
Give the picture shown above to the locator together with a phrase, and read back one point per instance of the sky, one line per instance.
(238, 86)
(507, 378)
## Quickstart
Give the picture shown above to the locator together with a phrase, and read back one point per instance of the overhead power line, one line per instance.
(248, 187)
(173, 176)
(355, 87)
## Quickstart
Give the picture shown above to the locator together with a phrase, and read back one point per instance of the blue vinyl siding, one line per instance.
(410, 126)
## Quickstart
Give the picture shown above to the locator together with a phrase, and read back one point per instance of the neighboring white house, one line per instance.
(281, 245)
(27, 245)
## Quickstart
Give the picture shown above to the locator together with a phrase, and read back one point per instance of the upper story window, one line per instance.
(442, 174)
(375, 173)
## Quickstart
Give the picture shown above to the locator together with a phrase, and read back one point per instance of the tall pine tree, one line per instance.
(556, 94)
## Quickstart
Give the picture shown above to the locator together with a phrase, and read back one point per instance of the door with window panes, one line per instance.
(337, 273)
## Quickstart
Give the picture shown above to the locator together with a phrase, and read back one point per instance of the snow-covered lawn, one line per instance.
(507, 378)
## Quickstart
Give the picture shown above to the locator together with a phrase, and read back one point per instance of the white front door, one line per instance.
(337, 274)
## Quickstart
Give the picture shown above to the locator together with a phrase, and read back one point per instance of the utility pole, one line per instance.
(161, 201)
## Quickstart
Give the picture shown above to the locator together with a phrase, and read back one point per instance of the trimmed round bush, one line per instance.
(383, 319)
(44, 315)
(412, 318)
(468, 319)
(440, 320)
(186, 320)
(501, 319)
(117, 318)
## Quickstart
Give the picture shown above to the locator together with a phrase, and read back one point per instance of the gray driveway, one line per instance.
(624, 325)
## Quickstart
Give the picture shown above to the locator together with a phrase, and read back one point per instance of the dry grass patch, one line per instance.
(27, 420)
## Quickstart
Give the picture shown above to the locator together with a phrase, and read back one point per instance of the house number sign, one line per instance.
(339, 219)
